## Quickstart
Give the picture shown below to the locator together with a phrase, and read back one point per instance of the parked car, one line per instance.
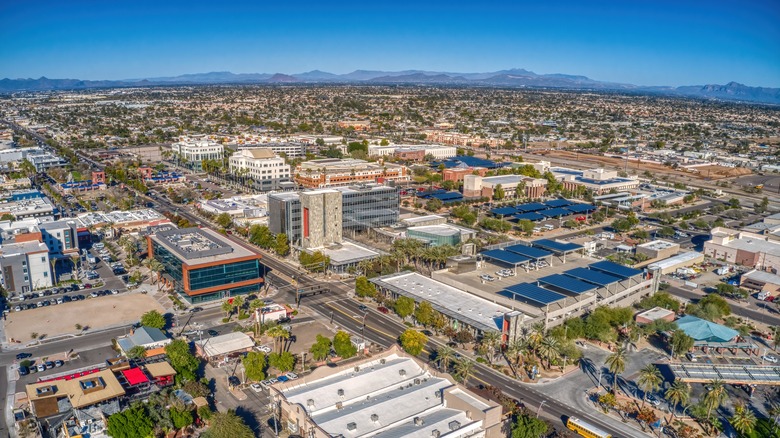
(234, 381)
(282, 378)
(769, 358)
(383, 309)
(652, 400)
(41, 367)
(23, 371)
(49, 365)
(22, 356)
(256, 387)
(291, 376)
(196, 309)
(487, 277)
(263, 349)
(58, 363)
(213, 333)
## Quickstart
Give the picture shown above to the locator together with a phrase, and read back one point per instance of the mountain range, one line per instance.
(732, 91)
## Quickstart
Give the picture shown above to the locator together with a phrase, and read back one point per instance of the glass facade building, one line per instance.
(202, 266)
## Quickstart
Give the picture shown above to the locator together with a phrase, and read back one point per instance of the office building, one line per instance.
(599, 181)
(413, 151)
(191, 153)
(28, 208)
(390, 394)
(287, 149)
(658, 249)
(320, 218)
(25, 267)
(475, 186)
(202, 265)
(262, 165)
(443, 234)
(369, 206)
(333, 172)
(742, 248)
(362, 207)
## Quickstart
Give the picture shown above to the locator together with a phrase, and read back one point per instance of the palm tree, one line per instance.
(490, 340)
(516, 350)
(227, 307)
(549, 349)
(463, 370)
(535, 336)
(714, 398)
(444, 356)
(649, 380)
(679, 394)
(616, 362)
(238, 303)
(278, 333)
(743, 420)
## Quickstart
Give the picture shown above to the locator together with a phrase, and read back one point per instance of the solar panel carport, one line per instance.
(595, 277)
(555, 212)
(530, 216)
(567, 284)
(615, 269)
(532, 206)
(528, 251)
(507, 257)
(734, 374)
(560, 248)
(558, 203)
(525, 292)
(581, 208)
(504, 211)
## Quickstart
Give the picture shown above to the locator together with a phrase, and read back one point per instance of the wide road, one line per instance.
(384, 330)
(767, 315)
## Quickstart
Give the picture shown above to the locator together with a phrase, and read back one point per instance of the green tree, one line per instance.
(526, 226)
(649, 380)
(137, 352)
(261, 236)
(434, 205)
(182, 360)
(413, 341)
(498, 193)
(227, 425)
(284, 361)
(131, 423)
(7, 217)
(424, 313)
(444, 357)
(714, 398)
(681, 343)
(364, 288)
(224, 220)
(343, 346)
(660, 299)
(679, 394)
(254, 365)
(743, 420)
(526, 426)
(320, 349)
(153, 319)
(616, 363)
(181, 417)
(281, 245)
(404, 306)
(734, 203)
(463, 370)
(549, 349)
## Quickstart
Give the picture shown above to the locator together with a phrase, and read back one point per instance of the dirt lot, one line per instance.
(94, 313)
(717, 172)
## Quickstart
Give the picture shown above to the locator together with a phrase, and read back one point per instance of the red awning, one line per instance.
(135, 376)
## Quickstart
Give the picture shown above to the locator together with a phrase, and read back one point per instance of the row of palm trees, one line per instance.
(410, 252)
(449, 360)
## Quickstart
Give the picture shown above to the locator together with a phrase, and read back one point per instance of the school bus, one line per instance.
(584, 429)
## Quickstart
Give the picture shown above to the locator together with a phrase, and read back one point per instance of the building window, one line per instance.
(43, 259)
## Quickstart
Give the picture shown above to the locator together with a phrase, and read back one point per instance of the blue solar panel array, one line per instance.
(615, 269)
(533, 206)
(532, 292)
(581, 208)
(503, 211)
(552, 245)
(528, 251)
(555, 212)
(448, 196)
(529, 216)
(505, 256)
(567, 283)
(595, 277)
(558, 203)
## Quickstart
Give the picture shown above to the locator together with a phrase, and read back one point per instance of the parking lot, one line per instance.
(94, 313)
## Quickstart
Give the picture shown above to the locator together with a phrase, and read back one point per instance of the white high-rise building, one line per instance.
(194, 152)
(262, 165)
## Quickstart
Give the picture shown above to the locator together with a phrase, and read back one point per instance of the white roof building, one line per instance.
(223, 345)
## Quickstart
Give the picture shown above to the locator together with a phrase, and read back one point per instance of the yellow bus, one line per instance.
(584, 429)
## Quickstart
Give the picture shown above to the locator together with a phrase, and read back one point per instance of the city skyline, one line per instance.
(647, 43)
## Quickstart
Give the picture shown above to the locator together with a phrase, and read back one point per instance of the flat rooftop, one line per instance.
(658, 245)
(200, 244)
(477, 311)
(347, 252)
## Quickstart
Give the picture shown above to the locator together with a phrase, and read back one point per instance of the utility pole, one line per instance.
(540, 407)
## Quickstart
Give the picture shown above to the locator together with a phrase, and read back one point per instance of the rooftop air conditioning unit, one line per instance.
(310, 402)
(435, 433)
(339, 405)
(401, 372)
(416, 381)
(454, 425)
(374, 418)
(418, 421)
(340, 392)
(351, 426)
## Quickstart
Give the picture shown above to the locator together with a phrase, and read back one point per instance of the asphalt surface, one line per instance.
(767, 314)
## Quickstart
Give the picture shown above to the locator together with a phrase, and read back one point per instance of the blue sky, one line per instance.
(659, 42)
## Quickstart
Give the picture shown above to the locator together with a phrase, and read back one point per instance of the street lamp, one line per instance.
(540, 407)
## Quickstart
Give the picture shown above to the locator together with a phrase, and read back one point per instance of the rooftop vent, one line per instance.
(418, 421)
(435, 433)
(416, 381)
(382, 361)
(374, 418)
(454, 425)
(402, 372)
(357, 369)
(340, 392)
(310, 402)
(339, 405)
(351, 426)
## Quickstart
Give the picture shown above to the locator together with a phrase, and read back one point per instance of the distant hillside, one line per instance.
(516, 77)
